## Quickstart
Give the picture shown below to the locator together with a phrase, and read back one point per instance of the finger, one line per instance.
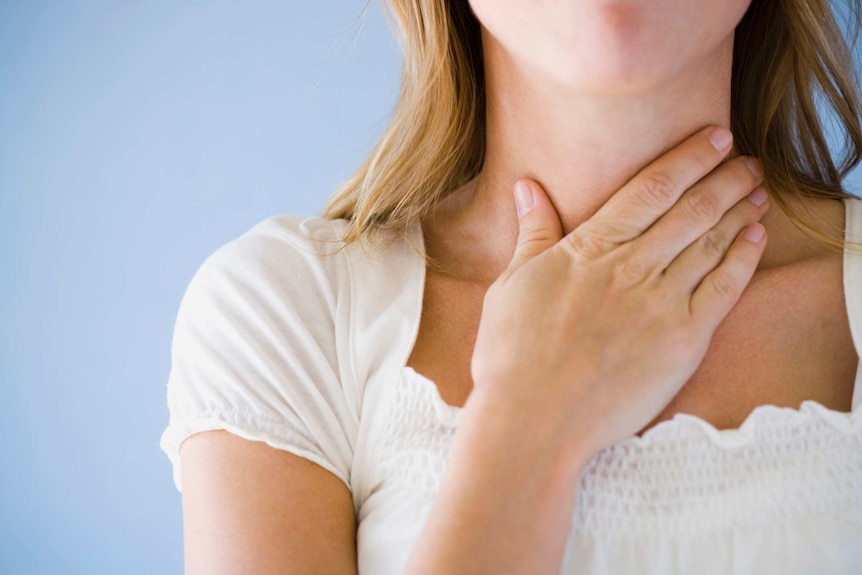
(539, 225)
(657, 187)
(699, 209)
(720, 289)
(705, 254)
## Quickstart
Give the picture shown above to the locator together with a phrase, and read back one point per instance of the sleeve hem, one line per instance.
(180, 428)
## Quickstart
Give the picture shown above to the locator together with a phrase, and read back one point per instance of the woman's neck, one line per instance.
(583, 147)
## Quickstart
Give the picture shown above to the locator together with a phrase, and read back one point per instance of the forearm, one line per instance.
(506, 500)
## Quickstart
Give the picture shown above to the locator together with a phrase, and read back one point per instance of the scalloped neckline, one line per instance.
(682, 424)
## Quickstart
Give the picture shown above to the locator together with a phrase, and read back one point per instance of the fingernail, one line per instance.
(758, 196)
(523, 198)
(720, 138)
(752, 165)
(754, 233)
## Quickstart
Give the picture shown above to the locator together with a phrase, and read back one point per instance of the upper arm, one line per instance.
(252, 508)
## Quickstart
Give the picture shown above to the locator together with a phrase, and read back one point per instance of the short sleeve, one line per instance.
(256, 347)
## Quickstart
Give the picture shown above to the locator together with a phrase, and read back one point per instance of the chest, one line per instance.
(787, 340)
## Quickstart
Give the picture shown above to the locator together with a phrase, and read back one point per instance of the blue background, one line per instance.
(136, 138)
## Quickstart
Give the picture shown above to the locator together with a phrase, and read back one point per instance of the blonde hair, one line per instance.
(786, 54)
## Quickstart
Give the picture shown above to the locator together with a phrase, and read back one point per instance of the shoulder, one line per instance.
(278, 287)
(282, 239)
(281, 256)
(286, 291)
(260, 345)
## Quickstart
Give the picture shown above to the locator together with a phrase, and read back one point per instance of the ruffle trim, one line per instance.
(687, 425)
(684, 424)
(448, 415)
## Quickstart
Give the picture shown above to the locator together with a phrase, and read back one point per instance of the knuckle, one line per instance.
(587, 246)
(735, 260)
(724, 286)
(705, 160)
(658, 189)
(714, 243)
(541, 235)
(629, 271)
(741, 177)
(700, 206)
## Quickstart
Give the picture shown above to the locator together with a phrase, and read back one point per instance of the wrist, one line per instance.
(523, 425)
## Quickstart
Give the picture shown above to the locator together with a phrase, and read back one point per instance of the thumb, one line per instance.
(539, 225)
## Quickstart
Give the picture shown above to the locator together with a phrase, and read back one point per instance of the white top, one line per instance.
(309, 354)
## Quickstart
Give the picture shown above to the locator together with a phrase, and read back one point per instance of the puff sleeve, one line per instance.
(257, 347)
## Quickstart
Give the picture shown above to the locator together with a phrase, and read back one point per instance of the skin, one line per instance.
(614, 86)
(582, 95)
(583, 350)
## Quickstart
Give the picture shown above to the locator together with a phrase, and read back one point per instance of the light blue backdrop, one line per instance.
(135, 138)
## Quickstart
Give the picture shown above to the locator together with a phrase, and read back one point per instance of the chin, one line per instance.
(610, 47)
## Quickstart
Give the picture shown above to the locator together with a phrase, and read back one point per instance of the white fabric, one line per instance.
(309, 355)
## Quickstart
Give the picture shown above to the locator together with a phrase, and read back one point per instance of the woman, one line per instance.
(653, 386)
